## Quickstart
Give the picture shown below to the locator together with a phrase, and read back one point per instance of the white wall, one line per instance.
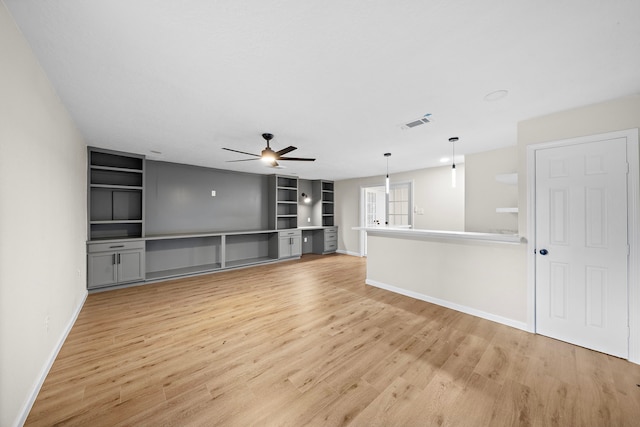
(618, 114)
(481, 278)
(483, 194)
(443, 206)
(42, 223)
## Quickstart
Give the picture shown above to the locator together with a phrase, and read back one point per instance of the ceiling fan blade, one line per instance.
(300, 159)
(242, 160)
(286, 150)
(241, 152)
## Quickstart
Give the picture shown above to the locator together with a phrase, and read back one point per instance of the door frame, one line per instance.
(363, 217)
(633, 229)
(362, 210)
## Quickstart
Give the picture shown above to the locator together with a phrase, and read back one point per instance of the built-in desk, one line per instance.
(166, 256)
(172, 255)
(319, 239)
(482, 274)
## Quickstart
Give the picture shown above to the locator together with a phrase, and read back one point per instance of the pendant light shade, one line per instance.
(386, 183)
(453, 141)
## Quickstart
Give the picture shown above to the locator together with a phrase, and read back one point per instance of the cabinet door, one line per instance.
(284, 247)
(131, 266)
(296, 246)
(102, 269)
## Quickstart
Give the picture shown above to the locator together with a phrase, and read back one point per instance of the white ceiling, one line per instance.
(334, 78)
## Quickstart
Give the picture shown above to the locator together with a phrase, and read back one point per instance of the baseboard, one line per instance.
(26, 408)
(340, 251)
(462, 308)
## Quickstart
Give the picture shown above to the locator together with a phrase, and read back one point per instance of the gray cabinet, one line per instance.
(326, 240)
(330, 240)
(290, 244)
(113, 263)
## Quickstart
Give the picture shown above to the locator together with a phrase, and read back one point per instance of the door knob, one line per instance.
(543, 251)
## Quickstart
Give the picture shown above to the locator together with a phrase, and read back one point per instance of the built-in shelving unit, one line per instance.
(116, 195)
(284, 202)
(327, 203)
(119, 252)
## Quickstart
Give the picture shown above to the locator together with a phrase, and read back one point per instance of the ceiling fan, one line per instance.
(268, 155)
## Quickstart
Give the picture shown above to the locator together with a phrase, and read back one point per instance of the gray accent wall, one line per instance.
(305, 210)
(178, 199)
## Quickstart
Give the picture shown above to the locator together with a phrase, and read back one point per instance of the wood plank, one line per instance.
(306, 342)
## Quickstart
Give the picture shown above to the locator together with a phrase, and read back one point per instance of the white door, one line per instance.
(581, 245)
(374, 211)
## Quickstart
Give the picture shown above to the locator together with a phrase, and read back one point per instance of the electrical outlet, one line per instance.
(305, 240)
(46, 323)
(213, 193)
(308, 219)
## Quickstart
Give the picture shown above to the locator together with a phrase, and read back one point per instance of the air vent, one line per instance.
(417, 122)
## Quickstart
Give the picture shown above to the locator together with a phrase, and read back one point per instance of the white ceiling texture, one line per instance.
(337, 79)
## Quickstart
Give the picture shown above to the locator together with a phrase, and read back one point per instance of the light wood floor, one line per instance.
(308, 343)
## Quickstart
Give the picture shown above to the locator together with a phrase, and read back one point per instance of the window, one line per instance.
(400, 204)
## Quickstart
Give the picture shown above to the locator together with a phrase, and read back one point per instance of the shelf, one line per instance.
(152, 275)
(117, 187)
(506, 210)
(507, 178)
(249, 261)
(123, 221)
(112, 177)
(109, 160)
(287, 182)
(114, 169)
(115, 230)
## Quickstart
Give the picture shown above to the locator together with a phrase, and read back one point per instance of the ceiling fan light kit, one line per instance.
(268, 155)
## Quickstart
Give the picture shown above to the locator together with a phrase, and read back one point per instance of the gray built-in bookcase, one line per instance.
(283, 202)
(116, 195)
(152, 220)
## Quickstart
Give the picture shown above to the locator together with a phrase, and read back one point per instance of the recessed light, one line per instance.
(444, 159)
(496, 96)
(155, 152)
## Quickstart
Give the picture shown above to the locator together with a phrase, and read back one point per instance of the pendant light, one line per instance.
(386, 184)
(453, 141)
(386, 195)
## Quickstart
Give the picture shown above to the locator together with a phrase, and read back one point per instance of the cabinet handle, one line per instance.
(118, 258)
(113, 259)
(116, 246)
